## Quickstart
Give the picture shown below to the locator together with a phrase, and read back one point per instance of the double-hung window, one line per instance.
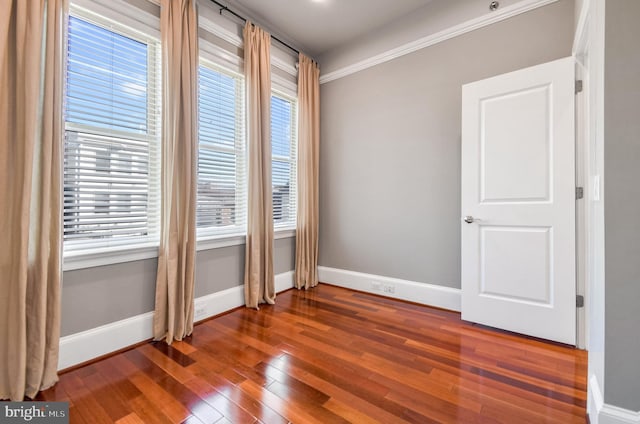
(112, 133)
(283, 149)
(221, 207)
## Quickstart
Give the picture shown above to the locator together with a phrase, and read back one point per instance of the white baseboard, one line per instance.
(90, 344)
(613, 415)
(423, 293)
(223, 301)
(595, 402)
(602, 413)
(86, 345)
(284, 281)
(218, 303)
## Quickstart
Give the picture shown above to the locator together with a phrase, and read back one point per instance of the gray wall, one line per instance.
(622, 203)
(97, 296)
(390, 147)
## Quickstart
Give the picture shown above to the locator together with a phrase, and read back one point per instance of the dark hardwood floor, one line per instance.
(332, 355)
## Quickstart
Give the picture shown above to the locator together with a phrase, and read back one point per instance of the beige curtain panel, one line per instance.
(173, 317)
(31, 72)
(306, 271)
(258, 272)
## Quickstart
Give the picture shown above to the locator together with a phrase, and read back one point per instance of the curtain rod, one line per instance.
(224, 8)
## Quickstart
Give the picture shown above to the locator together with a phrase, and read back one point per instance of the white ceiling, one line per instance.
(317, 26)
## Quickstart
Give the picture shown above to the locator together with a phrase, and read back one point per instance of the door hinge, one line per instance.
(580, 301)
(579, 193)
(578, 86)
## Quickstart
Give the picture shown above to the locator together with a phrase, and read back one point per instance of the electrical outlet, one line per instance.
(199, 313)
(376, 285)
(389, 288)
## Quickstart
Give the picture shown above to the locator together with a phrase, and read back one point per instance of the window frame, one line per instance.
(212, 237)
(289, 226)
(85, 254)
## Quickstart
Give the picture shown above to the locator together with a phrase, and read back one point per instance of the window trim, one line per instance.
(121, 13)
(111, 256)
(108, 256)
(282, 94)
(124, 250)
(208, 236)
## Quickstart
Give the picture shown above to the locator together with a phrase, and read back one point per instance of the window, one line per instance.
(221, 207)
(111, 151)
(283, 149)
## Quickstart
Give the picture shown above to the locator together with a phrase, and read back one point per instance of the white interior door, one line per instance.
(518, 202)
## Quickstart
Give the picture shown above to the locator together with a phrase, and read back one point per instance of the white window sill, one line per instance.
(282, 233)
(216, 242)
(121, 254)
(108, 256)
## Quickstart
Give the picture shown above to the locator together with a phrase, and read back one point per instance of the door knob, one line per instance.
(468, 219)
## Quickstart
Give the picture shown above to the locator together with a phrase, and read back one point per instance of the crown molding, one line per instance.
(429, 40)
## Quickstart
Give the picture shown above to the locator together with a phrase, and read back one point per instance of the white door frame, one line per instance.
(588, 49)
(583, 171)
(582, 211)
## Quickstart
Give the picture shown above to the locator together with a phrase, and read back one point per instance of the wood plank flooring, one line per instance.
(332, 355)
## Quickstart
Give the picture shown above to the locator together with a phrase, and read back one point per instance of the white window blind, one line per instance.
(221, 207)
(284, 153)
(111, 151)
